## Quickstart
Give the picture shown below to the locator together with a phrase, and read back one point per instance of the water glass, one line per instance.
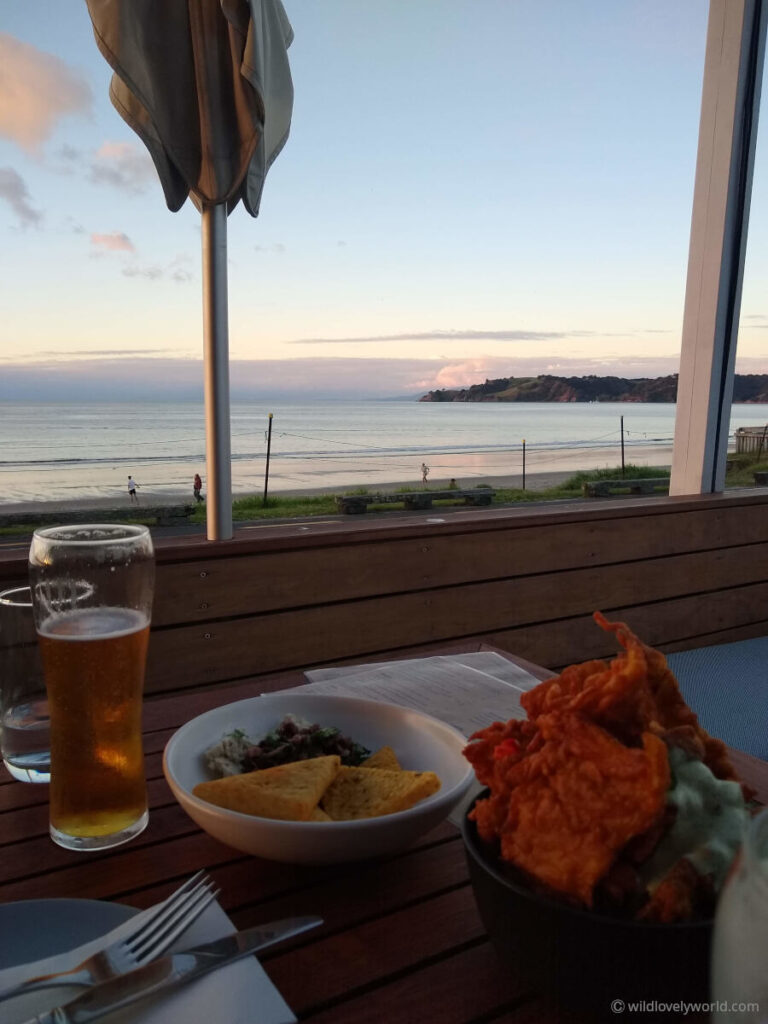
(24, 742)
(92, 589)
(740, 941)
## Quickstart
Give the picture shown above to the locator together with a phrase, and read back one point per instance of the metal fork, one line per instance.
(151, 938)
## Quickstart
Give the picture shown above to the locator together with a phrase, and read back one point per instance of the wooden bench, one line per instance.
(164, 515)
(354, 504)
(615, 488)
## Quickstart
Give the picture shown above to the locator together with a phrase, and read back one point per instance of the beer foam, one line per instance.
(93, 623)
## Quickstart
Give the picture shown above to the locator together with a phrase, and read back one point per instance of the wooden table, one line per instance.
(401, 942)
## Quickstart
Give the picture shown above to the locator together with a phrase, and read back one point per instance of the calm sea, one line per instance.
(59, 451)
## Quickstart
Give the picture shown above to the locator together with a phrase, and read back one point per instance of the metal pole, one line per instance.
(216, 355)
(523, 463)
(622, 446)
(266, 468)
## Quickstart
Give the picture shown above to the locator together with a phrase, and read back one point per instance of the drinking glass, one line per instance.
(92, 589)
(740, 940)
(23, 705)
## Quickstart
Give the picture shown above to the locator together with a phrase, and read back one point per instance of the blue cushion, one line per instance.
(727, 687)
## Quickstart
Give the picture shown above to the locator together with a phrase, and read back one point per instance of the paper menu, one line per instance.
(468, 691)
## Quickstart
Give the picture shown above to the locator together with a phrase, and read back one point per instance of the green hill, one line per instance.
(747, 388)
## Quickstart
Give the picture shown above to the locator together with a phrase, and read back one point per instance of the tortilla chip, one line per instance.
(370, 792)
(319, 815)
(385, 757)
(290, 792)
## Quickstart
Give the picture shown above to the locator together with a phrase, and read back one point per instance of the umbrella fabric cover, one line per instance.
(207, 86)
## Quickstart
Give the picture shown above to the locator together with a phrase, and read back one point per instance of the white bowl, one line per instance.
(421, 743)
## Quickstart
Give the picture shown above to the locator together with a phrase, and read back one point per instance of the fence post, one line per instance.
(266, 468)
(523, 463)
(622, 447)
(762, 443)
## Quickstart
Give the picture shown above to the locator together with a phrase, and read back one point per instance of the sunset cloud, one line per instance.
(463, 375)
(176, 271)
(14, 191)
(44, 375)
(116, 242)
(123, 165)
(36, 90)
(456, 334)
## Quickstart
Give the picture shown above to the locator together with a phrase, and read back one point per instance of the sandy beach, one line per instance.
(533, 482)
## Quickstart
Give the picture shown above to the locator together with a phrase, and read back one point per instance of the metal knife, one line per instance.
(170, 972)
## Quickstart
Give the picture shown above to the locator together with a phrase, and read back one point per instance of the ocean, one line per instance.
(56, 451)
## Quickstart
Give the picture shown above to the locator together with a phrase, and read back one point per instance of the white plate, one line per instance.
(420, 742)
(33, 929)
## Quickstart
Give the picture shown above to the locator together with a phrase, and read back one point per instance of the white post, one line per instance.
(727, 134)
(216, 355)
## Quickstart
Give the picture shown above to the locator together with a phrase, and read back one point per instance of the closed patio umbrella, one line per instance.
(207, 86)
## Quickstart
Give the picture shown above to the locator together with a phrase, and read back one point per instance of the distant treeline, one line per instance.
(747, 388)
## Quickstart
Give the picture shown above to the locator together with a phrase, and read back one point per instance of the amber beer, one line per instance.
(92, 590)
(93, 660)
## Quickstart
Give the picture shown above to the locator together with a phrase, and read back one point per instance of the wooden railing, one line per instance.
(683, 572)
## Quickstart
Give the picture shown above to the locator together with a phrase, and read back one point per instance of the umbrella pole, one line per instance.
(216, 355)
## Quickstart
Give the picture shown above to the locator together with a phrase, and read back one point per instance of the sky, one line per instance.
(471, 189)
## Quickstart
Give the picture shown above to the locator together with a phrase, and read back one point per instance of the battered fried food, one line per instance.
(680, 896)
(571, 806)
(580, 791)
(670, 710)
(635, 693)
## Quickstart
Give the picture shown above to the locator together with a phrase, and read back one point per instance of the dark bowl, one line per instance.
(580, 957)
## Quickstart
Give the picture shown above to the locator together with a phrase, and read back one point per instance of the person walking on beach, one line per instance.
(197, 486)
(132, 485)
(424, 473)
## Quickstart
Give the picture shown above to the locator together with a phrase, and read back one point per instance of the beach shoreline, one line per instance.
(540, 481)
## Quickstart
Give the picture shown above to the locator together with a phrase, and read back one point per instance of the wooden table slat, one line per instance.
(466, 986)
(401, 939)
(326, 970)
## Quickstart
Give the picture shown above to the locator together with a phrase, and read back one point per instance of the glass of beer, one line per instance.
(92, 589)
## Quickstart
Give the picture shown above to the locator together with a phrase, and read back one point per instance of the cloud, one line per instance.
(148, 272)
(123, 166)
(275, 247)
(61, 378)
(69, 154)
(462, 375)
(454, 335)
(152, 272)
(14, 191)
(36, 90)
(118, 241)
(104, 375)
(90, 353)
